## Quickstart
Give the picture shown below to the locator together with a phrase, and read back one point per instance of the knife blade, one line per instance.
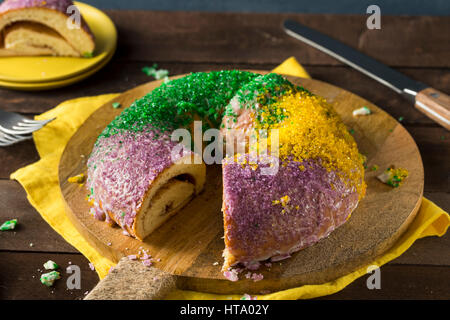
(431, 102)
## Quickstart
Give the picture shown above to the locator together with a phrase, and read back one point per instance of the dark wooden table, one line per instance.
(183, 42)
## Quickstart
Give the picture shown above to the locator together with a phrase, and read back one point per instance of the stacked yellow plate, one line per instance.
(40, 73)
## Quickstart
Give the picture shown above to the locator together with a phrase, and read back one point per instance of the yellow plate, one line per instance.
(50, 69)
(36, 86)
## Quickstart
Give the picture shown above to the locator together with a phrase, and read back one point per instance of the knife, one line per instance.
(433, 103)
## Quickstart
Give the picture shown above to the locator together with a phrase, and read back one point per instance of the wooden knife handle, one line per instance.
(435, 104)
(130, 280)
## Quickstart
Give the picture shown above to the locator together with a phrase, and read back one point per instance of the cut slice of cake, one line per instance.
(30, 27)
(272, 216)
(136, 181)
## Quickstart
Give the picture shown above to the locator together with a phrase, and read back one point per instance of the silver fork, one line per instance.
(13, 123)
(15, 128)
(9, 139)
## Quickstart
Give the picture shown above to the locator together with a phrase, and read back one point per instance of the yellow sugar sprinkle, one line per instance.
(77, 179)
(283, 201)
(313, 130)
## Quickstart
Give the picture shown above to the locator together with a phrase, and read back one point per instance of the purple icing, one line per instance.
(257, 229)
(122, 167)
(59, 5)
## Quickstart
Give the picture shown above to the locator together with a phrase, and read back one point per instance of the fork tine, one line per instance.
(6, 140)
(28, 125)
(23, 130)
(18, 132)
(16, 137)
(43, 122)
(21, 125)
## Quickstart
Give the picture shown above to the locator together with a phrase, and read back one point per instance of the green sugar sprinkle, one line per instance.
(8, 225)
(200, 96)
(116, 105)
(49, 279)
(150, 70)
(400, 119)
(50, 265)
(153, 71)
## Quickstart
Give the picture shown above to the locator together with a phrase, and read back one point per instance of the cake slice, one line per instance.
(31, 27)
(31, 39)
(136, 182)
(272, 216)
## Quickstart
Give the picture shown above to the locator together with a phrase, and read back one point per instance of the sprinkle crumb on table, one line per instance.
(393, 177)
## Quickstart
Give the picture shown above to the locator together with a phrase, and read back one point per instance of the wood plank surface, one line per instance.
(128, 75)
(183, 42)
(32, 232)
(259, 38)
(19, 279)
(20, 273)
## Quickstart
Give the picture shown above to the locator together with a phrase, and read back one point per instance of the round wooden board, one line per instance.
(191, 242)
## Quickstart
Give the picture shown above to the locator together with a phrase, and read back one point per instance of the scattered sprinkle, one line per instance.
(248, 297)
(361, 111)
(393, 176)
(147, 262)
(215, 263)
(161, 74)
(374, 167)
(91, 266)
(77, 179)
(231, 275)
(50, 265)
(401, 119)
(158, 74)
(48, 279)
(116, 105)
(257, 277)
(8, 225)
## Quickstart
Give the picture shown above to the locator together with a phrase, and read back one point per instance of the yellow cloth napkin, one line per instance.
(40, 181)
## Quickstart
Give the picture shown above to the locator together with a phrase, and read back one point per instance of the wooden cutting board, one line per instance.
(190, 244)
